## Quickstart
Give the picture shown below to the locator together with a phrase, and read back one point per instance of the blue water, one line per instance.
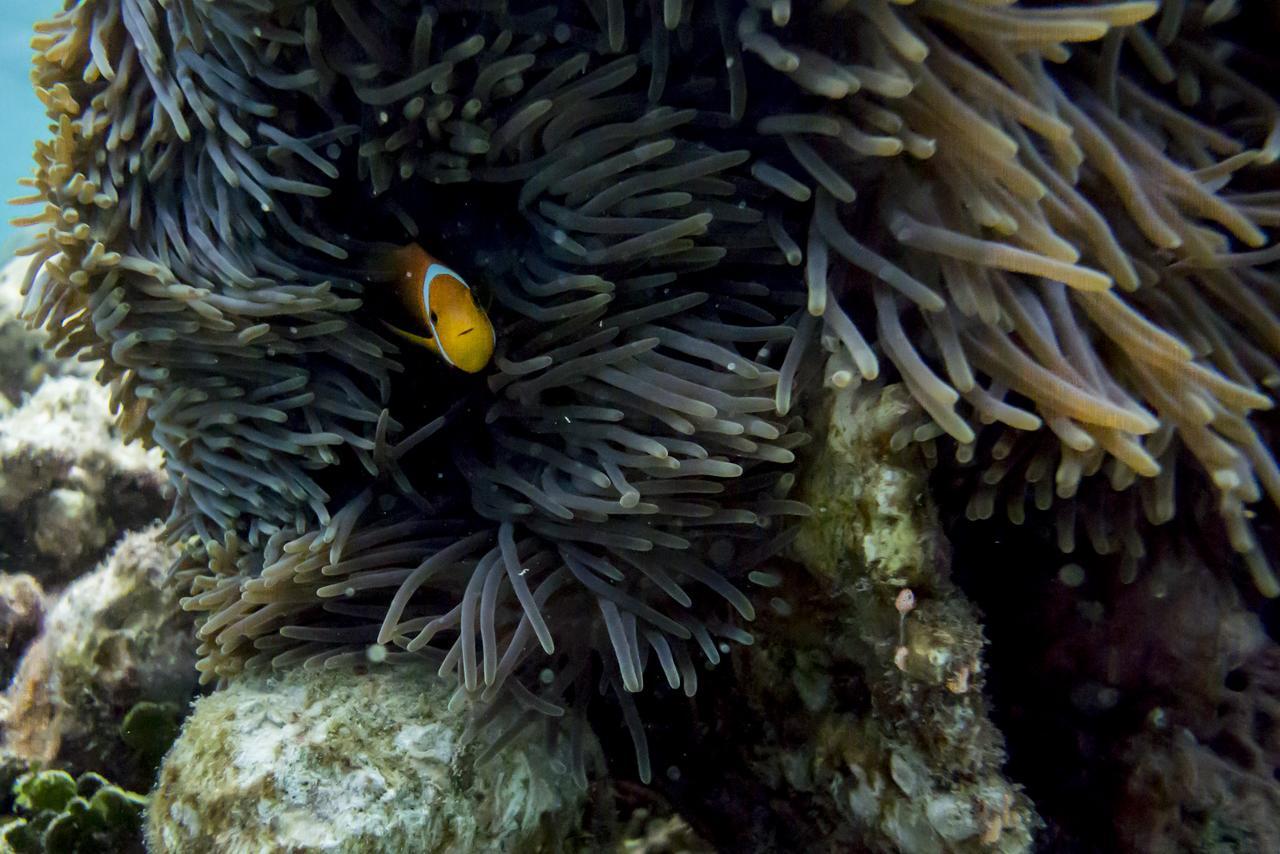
(22, 116)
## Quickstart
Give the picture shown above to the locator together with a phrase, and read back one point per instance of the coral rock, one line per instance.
(68, 485)
(886, 731)
(335, 761)
(67, 525)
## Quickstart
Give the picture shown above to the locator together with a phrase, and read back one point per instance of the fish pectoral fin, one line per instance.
(429, 343)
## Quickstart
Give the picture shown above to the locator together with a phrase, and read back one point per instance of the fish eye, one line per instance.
(435, 318)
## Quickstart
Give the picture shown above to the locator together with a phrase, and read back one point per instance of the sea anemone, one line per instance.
(687, 216)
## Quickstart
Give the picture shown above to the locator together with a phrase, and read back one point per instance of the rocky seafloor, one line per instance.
(872, 712)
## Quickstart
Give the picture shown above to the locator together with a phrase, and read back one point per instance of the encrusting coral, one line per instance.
(686, 215)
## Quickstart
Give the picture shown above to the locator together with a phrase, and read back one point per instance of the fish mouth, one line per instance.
(466, 331)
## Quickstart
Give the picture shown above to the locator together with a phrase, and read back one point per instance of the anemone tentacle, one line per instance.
(689, 218)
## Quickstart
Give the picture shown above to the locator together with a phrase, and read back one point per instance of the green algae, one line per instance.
(55, 812)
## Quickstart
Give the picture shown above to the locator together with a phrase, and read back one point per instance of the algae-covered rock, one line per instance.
(333, 760)
(115, 638)
(55, 813)
(857, 720)
(868, 697)
(873, 523)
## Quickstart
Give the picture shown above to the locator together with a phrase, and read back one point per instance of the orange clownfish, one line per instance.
(458, 330)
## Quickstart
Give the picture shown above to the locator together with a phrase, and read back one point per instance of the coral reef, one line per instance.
(335, 761)
(672, 208)
(59, 814)
(114, 638)
(80, 646)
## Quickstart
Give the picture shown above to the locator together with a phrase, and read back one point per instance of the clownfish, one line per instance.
(458, 330)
